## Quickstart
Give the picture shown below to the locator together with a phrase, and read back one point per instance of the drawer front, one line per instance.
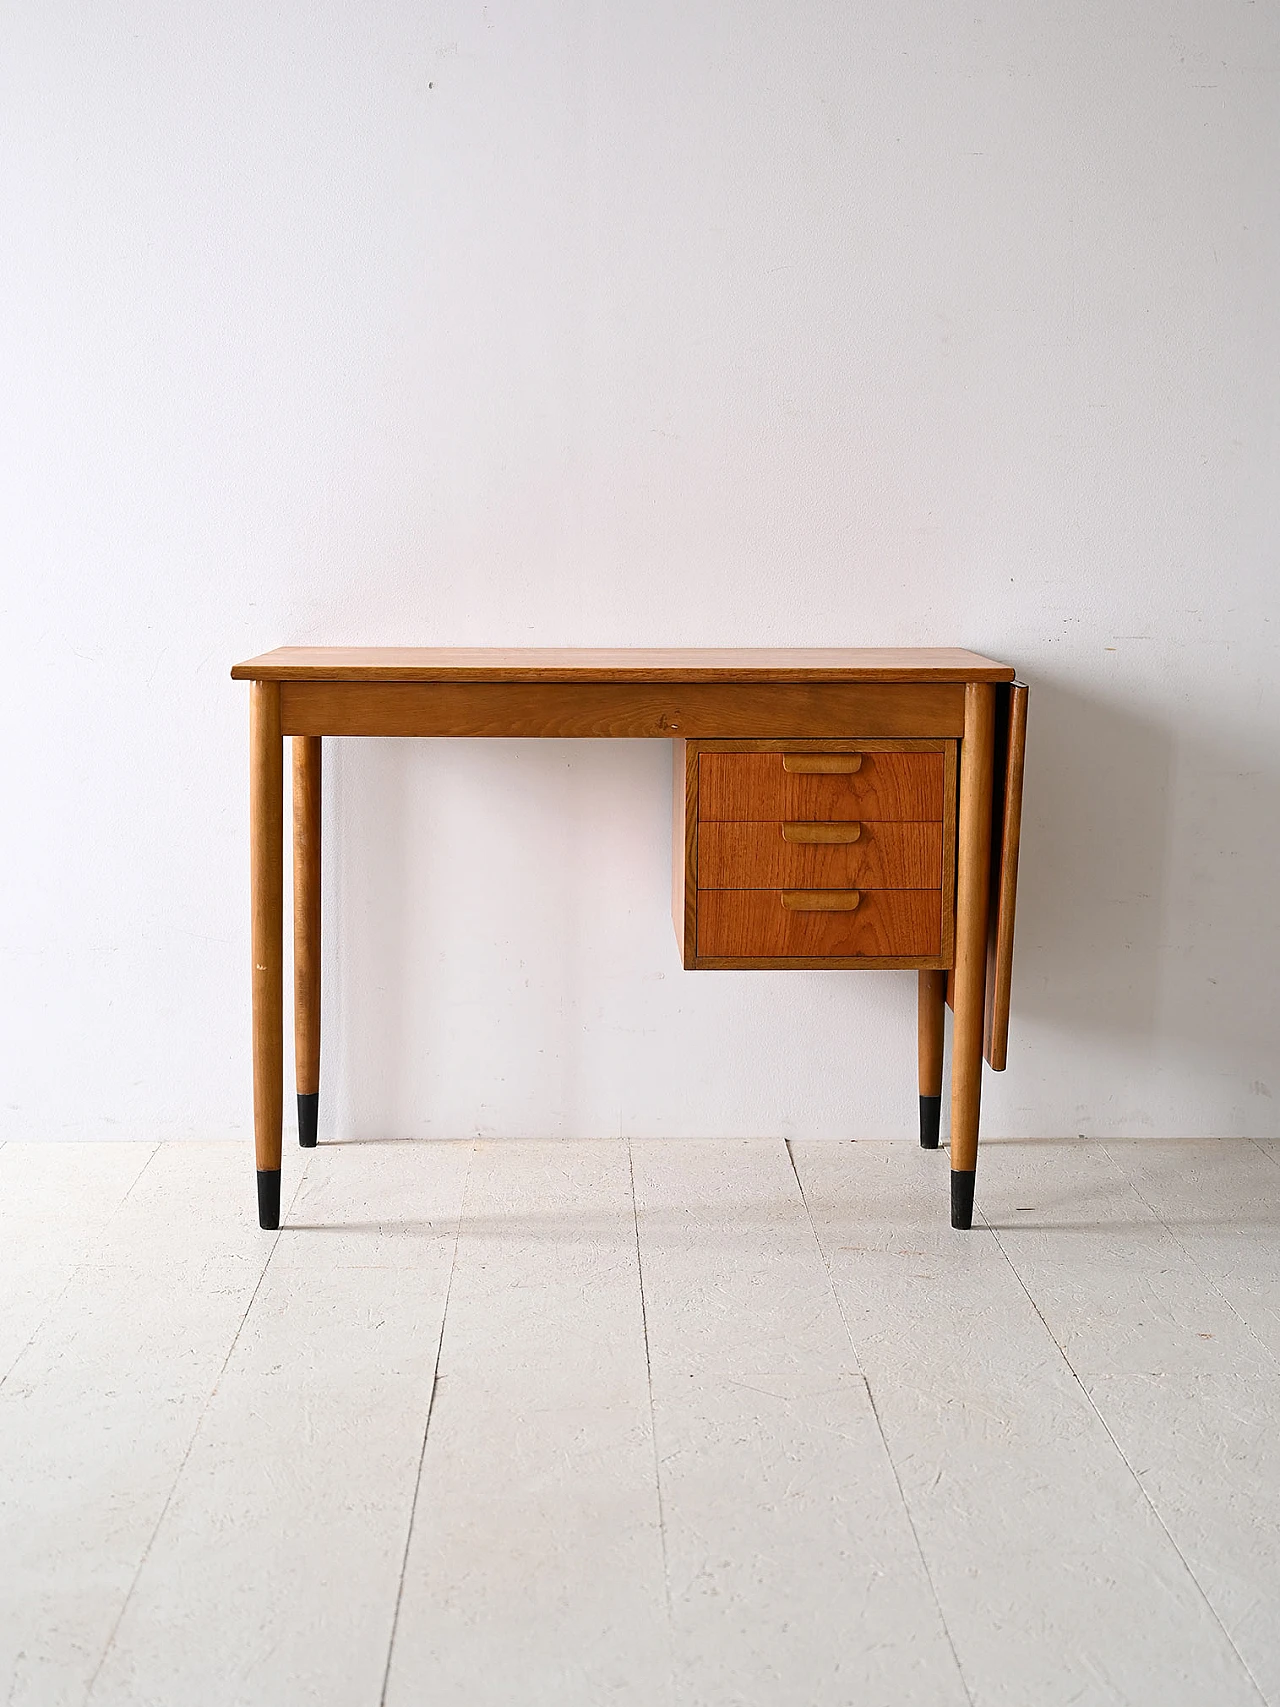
(740, 787)
(754, 924)
(886, 855)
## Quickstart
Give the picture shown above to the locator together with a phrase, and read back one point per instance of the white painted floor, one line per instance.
(698, 1424)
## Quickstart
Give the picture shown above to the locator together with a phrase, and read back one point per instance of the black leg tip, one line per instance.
(930, 1120)
(962, 1199)
(308, 1116)
(269, 1199)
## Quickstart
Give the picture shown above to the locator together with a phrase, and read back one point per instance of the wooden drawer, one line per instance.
(886, 855)
(754, 924)
(741, 787)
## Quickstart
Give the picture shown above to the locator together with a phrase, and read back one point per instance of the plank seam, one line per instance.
(1124, 1459)
(648, 1375)
(875, 1412)
(426, 1429)
(84, 1262)
(1190, 1254)
(190, 1448)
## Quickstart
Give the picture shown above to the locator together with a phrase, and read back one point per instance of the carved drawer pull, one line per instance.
(821, 832)
(820, 900)
(822, 764)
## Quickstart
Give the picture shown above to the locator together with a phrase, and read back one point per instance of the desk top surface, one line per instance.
(679, 664)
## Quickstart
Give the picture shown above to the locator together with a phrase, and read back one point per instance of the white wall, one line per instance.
(700, 323)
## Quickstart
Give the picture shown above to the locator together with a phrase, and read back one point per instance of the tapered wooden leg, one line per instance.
(306, 932)
(266, 878)
(933, 1004)
(973, 860)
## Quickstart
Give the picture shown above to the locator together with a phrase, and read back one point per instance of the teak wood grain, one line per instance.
(751, 786)
(627, 664)
(266, 879)
(886, 855)
(931, 1031)
(684, 848)
(894, 923)
(306, 913)
(629, 709)
(972, 882)
(690, 829)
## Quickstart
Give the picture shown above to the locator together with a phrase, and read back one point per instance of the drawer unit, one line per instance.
(813, 854)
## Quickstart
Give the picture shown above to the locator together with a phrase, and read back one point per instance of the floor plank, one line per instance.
(100, 1409)
(274, 1574)
(1156, 1297)
(794, 1572)
(679, 1452)
(534, 1571)
(1220, 1199)
(1057, 1581)
(55, 1202)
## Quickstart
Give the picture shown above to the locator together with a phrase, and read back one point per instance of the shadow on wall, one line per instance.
(1148, 910)
(369, 1040)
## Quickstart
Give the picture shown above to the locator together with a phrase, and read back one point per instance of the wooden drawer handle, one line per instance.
(821, 832)
(822, 764)
(820, 900)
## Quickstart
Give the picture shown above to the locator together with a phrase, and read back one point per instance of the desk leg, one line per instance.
(932, 1011)
(306, 932)
(977, 756)
(266, 878)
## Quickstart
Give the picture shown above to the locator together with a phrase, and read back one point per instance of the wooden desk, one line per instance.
(833, 809)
